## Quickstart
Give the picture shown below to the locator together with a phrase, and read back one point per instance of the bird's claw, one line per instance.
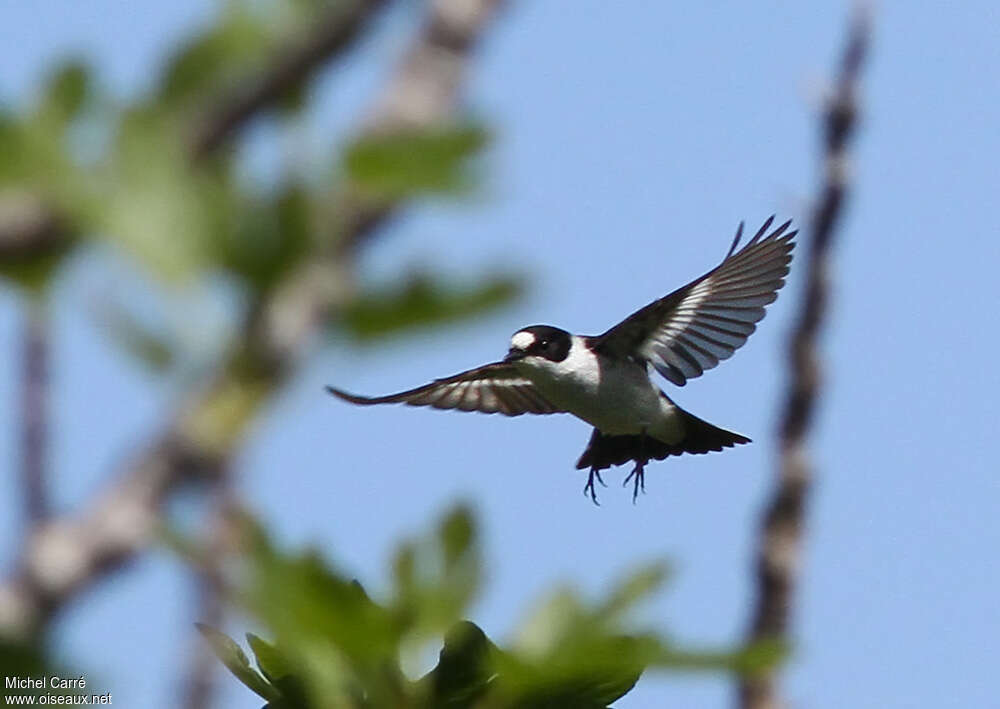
(639, 473)
(589, 487)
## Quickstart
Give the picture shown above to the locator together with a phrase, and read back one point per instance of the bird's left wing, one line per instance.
(492, 388)
(696, 326)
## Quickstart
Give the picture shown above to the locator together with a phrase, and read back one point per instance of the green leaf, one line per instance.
(66, 91)
(233, 657)
(633, 589)
(755, 658)
(425, 300)
(590, 673)
(271, 235)
(222, 56)
(399, 164)
(571, 653)
(158, 206)
(301, 597)
(271, 662)
(280, 672)
(464, 671)
(404, 569)
(11, 146)
(456, 535)
(761, 656)
(143, 343)
(192, 68)
(546, 627)
(435, 578)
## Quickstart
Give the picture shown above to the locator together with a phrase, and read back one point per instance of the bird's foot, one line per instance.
(589, 487)
(639, 473)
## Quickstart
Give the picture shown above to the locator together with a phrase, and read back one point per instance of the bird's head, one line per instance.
(543, 341)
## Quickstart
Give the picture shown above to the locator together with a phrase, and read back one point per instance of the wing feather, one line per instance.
(697, 326)
(492, 388)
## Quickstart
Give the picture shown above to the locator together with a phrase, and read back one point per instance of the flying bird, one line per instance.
(605, 379)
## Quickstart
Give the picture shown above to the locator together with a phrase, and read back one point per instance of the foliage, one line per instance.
(424, 300)
(127, 176)
(395, 165)
(334, 645)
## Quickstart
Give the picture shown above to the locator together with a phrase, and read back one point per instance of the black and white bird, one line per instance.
(605, 379)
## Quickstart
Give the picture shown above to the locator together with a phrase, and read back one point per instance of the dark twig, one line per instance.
(34, 400)
(69, 554)
(334, 33)
(781, 533)
(198, 686)
(198, 683)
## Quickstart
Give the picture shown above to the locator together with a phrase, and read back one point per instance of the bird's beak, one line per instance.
(513, 355)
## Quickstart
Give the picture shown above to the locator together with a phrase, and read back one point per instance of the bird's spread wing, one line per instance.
(492, 388)
(697, 326)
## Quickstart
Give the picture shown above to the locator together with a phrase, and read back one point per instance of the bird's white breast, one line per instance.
(615, 396)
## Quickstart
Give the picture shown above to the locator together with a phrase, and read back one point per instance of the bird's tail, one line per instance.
(604, 450)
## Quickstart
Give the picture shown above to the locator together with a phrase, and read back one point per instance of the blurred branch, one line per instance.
(198, 684)
(28, 224)
(34, 400)
(781, 534)
(334, 33)
(69, 554)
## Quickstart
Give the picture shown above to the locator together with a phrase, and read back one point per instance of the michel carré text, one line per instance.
(52, 682)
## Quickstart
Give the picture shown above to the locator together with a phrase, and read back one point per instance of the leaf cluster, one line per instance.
(127, 178)
(334, 645)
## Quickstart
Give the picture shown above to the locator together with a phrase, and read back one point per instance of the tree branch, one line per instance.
(198, 685)
(782, 530)
(334, 33)
(34, 400)
(69, 554)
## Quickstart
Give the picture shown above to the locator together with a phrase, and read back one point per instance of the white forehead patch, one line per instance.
(522, 340)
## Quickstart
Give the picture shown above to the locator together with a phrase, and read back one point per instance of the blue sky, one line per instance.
(631, 138)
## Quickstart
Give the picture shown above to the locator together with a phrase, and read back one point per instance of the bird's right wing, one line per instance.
(492, 388)
(697, 326)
